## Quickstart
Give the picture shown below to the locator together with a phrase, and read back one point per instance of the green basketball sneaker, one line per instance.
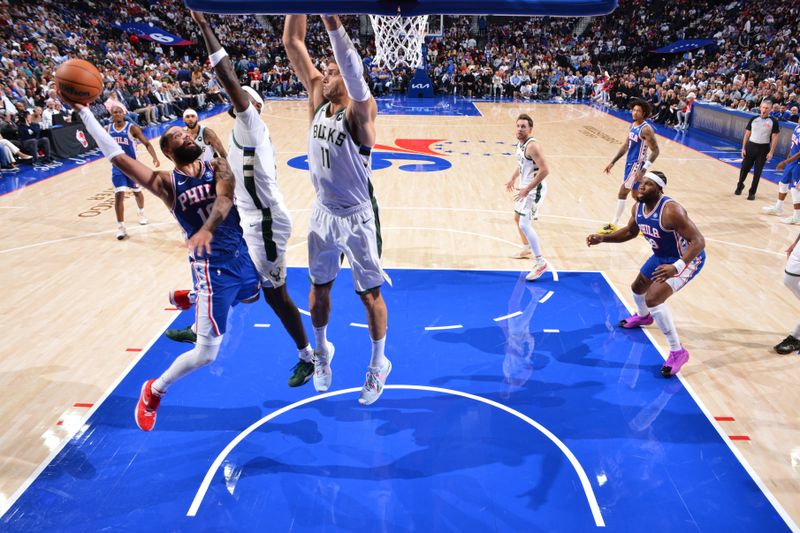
(182, 335)
(301, 373)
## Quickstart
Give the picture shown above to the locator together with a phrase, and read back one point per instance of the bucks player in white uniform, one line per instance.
(344, 220)
(264, 218)
(532, 169)
(204, 137)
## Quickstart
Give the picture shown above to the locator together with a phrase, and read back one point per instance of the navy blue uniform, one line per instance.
(668, 245)
(637, 154)
(125, 141)
(226, 275)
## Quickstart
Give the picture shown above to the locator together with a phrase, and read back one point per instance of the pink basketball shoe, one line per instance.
(675, 361)
(636, 321)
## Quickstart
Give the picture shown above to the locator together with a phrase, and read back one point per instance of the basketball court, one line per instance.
(512, 405)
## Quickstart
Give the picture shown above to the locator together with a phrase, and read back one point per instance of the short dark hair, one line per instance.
(526, 117)
(163, 142)
(647, 109)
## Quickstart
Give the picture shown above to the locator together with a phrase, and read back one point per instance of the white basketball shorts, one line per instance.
(266, 233)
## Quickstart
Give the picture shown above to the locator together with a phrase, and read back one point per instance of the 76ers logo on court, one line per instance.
(82, 138)
(415, 155)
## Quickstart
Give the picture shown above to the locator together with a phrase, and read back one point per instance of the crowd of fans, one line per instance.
(607, 59)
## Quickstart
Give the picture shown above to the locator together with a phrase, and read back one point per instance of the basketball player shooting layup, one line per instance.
(200, 196)
(678, 257)
(640, 137)
(344, 219)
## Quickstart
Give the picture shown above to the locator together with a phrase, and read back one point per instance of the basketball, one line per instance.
(79, 81)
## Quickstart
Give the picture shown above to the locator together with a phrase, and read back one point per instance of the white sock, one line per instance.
(199, 356)
(530, 234)
(306, 354)
(796, 332)
(620, 209)
(121, 225)
(779, 204)
(320, 334)
(641, 306)
(796, 213)
(663, 317)
(378, 359)
(141, 211)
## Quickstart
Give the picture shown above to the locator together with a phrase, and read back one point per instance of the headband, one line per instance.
(656, 179)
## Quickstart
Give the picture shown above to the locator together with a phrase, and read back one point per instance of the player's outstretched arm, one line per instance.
(153, 180)
(200, 243)
(294, 41)
(674, 217)
(210, 137)
(136, 131)
(623, 234)
(222, 64)
(362, 110)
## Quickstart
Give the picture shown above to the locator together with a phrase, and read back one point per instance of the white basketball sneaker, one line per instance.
(772, 210)
(142, 218)
(121, 232)
(323, 375)
(373, 386)
(791, 220)
(539, 268)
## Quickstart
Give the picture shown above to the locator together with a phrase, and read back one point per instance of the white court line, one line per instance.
(303, 312)
(587, 486)
(723, 435)
(261, 325)
(358, 325)
(546, 296)
(437, 328)
(506, 317)
(132, 229)
(80, 427)
(551, 331)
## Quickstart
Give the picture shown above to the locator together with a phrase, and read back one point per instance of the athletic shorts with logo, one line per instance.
(352, 233)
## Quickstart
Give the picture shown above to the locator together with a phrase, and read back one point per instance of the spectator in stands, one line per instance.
(30, 136)
(144, 111)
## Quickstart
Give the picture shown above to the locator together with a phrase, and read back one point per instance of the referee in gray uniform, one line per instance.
(758, 146)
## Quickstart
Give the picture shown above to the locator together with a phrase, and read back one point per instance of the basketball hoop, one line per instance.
(398, 40)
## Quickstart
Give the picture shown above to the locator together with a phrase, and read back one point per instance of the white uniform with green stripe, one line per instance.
(527, 172)
(208, 150)
(344, 219)
(265, 221)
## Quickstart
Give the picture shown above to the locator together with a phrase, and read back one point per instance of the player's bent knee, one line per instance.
(205, 354)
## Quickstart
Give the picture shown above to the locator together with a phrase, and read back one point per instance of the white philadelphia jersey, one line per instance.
(340, 168)
(527, 167)
(252, 160)
(208, 150)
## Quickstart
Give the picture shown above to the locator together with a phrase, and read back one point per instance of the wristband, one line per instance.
(647, 164)
(217, 56)
(679, 265)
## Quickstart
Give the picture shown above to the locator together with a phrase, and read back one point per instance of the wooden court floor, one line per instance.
(75, 299)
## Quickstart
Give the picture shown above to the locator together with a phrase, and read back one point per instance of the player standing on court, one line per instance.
(678, 256)
(344, 219)
(124, 133)
(265, 220)
(641, 137)
(532, 169)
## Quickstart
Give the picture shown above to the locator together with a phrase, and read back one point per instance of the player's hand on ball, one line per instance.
(664, 272)
(75, 105)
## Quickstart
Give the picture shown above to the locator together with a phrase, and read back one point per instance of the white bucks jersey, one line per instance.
(527, 167)
(340, 167)
(208, 150)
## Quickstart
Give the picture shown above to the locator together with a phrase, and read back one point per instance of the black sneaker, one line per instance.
(301, 373)
(788, 345)
(183, 335)
(739, 189)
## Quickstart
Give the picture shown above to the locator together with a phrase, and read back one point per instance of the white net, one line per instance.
(398, 40)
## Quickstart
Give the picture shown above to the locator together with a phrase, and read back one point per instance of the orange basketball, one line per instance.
(79, 81)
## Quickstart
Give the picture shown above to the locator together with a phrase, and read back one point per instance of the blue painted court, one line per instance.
(515, 406)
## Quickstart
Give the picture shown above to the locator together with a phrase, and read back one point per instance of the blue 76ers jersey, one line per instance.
(125, 141)
(795, 142)
(194, 200)
(637, 147)
(665, 243)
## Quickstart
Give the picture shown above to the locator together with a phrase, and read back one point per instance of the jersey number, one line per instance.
(326, 157)
(205, 212)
